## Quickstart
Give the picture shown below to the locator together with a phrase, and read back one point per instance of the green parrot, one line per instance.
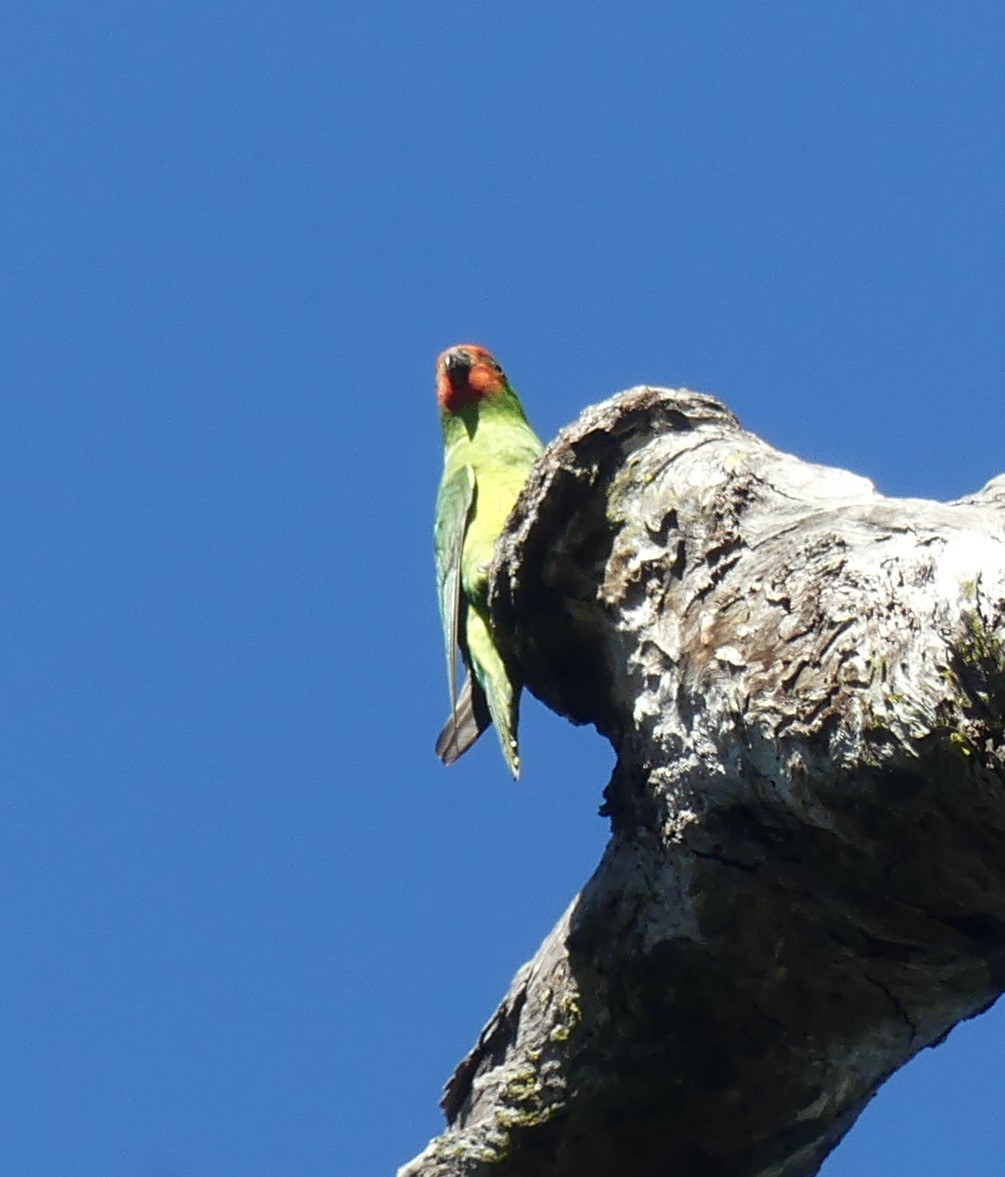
(488, 451)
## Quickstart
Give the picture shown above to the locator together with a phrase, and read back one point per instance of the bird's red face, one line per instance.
(465, 374)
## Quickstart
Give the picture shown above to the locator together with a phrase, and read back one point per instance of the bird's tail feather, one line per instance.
(502, 704)
(470, 718)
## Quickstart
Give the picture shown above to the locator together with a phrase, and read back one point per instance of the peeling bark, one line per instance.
(805, 685)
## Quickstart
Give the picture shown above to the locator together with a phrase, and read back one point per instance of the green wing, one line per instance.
(453, 511)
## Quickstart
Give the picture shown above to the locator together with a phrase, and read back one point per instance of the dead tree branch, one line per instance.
(805, 883)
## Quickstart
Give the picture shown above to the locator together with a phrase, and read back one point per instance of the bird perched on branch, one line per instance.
(488, 451)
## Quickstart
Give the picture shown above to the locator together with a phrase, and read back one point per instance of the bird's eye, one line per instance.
(496, 367)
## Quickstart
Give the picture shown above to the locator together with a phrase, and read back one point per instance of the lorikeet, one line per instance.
(488, 451)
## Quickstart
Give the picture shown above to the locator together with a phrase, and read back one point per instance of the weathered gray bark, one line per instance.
(805, 883)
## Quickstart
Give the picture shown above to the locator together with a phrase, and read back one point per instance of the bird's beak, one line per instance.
(457, 362)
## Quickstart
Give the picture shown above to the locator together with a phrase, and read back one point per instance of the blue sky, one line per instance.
(250, 923)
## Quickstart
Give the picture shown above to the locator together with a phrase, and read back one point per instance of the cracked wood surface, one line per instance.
(805, 884)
